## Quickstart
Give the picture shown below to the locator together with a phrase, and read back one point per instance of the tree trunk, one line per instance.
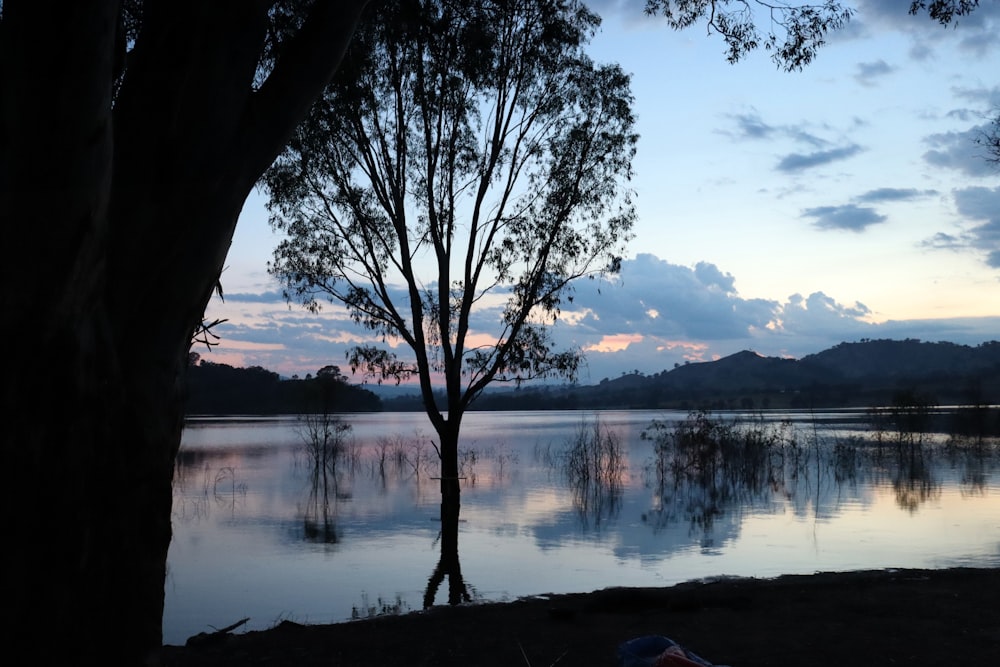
(451, 490)
(118, 216)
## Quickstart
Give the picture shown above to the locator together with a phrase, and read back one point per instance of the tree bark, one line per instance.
(118, 214)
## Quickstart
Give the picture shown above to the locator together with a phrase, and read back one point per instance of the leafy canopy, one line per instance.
(468, 158)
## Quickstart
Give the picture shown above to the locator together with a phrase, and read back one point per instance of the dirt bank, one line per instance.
(902, 617)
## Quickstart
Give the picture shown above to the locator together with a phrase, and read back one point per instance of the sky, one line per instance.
(778, 212)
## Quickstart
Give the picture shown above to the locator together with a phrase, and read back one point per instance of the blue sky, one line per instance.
(778, 212)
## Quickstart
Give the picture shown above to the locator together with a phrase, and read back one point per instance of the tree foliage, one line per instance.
(793, 35)
(464, 158)
(944, 11)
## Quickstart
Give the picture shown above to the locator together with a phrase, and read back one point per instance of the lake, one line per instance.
(260, 532)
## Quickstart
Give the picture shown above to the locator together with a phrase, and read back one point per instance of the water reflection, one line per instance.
(595, 468)
(448, 566)
(329, 455)
(704, 467)
(270, 521)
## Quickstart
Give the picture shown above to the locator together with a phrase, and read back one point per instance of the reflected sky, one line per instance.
(255, 536)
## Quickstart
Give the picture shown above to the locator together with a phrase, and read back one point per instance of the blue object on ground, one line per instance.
(645, 651)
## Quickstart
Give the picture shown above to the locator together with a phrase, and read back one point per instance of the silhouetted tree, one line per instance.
(130, 135)
(473, 155)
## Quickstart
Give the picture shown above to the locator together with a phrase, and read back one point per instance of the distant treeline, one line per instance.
(220, 389)
(863, 374)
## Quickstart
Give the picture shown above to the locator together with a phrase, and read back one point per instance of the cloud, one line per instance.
(653, 315)
(975, 33)
(893, 195)
(867, 73)
(848, 216)
(750, 125)
(712, 277)
(943, 241)
(982, 204)
(800, 161)
(960, 151)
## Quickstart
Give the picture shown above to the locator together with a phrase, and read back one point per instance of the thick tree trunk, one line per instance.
(118, 217)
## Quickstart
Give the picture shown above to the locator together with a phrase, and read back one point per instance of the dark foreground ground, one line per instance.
(902, 617)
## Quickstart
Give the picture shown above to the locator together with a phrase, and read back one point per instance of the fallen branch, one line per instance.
(207, 638)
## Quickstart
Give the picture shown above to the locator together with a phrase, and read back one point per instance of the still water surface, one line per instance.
(257, 534)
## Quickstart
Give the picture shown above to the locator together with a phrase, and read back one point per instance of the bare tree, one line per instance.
(465, 160)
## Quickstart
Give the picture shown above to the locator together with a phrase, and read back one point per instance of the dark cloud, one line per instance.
(960, 150)
(848, 216)
(867, 73)
(799, 161)
(893, 194)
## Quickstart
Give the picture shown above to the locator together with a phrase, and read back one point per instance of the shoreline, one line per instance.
(827, 619)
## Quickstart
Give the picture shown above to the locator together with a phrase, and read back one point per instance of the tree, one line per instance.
(481, 142)
(130, 135)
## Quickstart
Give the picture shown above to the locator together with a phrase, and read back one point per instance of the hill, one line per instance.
(861, 374)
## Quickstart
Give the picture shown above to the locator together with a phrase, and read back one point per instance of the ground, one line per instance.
(885, 617)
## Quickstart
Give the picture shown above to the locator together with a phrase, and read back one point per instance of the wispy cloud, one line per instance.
(750, 126)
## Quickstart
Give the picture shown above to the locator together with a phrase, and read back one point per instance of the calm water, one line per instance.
(257, 534)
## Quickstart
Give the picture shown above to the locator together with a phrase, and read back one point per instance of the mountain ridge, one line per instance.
(851, 374)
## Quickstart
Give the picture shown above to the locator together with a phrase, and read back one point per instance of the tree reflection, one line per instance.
(913, 478)
(703, 467)
(326, 444)
(318, 520)
(595, 467)
(448, 565)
